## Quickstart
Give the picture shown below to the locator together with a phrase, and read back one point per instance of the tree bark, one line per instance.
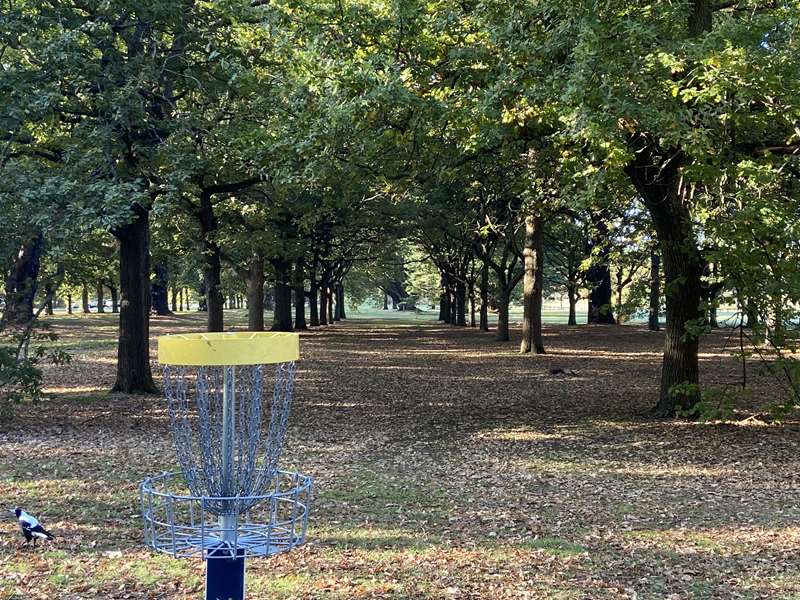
(313, 296)
(174, 298)
(159, 291)
(255, 293)
(212, 269)
(461, 303)
(100, 297)
(502, 315)
(48, 292)
(180, 299)
(133, 351)
(69, 304)
(114, 299)
(282, 316)
(329, 292)
(471, 294)
(653, 322)
(299, 295)
(598, 276)
(572, 295)
(340, 303)
(484, 285)
(656, 176)
(20, 287)
(85, 300)
(532, 286)
(323, 301)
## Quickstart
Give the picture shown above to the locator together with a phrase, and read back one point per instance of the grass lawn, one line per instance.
(447, 466)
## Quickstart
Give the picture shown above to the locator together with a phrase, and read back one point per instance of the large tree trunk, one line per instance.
(656, 176)
(461, 303)
(48, 292)
(598, 276)
(114, 298)
(20, 287)
(502, 314)
(323, 301)
(212, 269)
(471, 295)
(484, 318)
(255, 293)
(133, 351)
(313, 296)
(85, 300)
(340, 301)
(337, 315)
(173, 292)
(299, 296)
(655, 291)
(282, 317)
(533, 280)
(160, 292)
(572, 295)
(448, 301)
(100, 297)
(329, 292)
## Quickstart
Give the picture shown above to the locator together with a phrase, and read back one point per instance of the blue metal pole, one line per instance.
(224, 571)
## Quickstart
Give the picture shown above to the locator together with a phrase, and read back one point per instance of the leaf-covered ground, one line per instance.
(447, 465)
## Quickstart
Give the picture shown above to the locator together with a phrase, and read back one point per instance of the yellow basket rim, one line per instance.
(228, 348)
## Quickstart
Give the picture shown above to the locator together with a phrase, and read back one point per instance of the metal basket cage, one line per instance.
(181, 524)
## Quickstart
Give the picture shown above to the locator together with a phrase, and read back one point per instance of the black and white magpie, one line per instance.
(31, 528)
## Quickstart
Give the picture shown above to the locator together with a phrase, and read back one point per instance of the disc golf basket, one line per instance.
(230, 501)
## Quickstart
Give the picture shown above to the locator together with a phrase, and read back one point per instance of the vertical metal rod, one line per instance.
(228, 522)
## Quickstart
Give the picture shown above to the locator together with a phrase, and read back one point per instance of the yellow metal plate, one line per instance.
(228, 348)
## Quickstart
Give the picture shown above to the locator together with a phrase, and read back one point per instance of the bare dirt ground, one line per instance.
(447, 466)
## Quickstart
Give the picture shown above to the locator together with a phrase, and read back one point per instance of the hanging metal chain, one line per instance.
(197, 428)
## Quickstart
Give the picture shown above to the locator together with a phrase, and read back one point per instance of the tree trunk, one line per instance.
(133, 351)
(533, 280)
(313, 296)
(655, 292)
(20, 287)
(448, 301)
(657, 178)
(69, 304)
(329, 291)
(572, 295)
(159, 291)
(484, 285)
(85, 300)
(255, 293)
(502, 314)
(386, 301)
(48, 292)
(180, 299)
(212, 268)
(323, 301)
(337, 315)
(100, 297)
(282, 316)
(471, 294)
(174, 298)
(340, 302)
(299, 296)
(114, 299)
(461, 303)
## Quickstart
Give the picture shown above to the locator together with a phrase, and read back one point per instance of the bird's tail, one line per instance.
(49, 535)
